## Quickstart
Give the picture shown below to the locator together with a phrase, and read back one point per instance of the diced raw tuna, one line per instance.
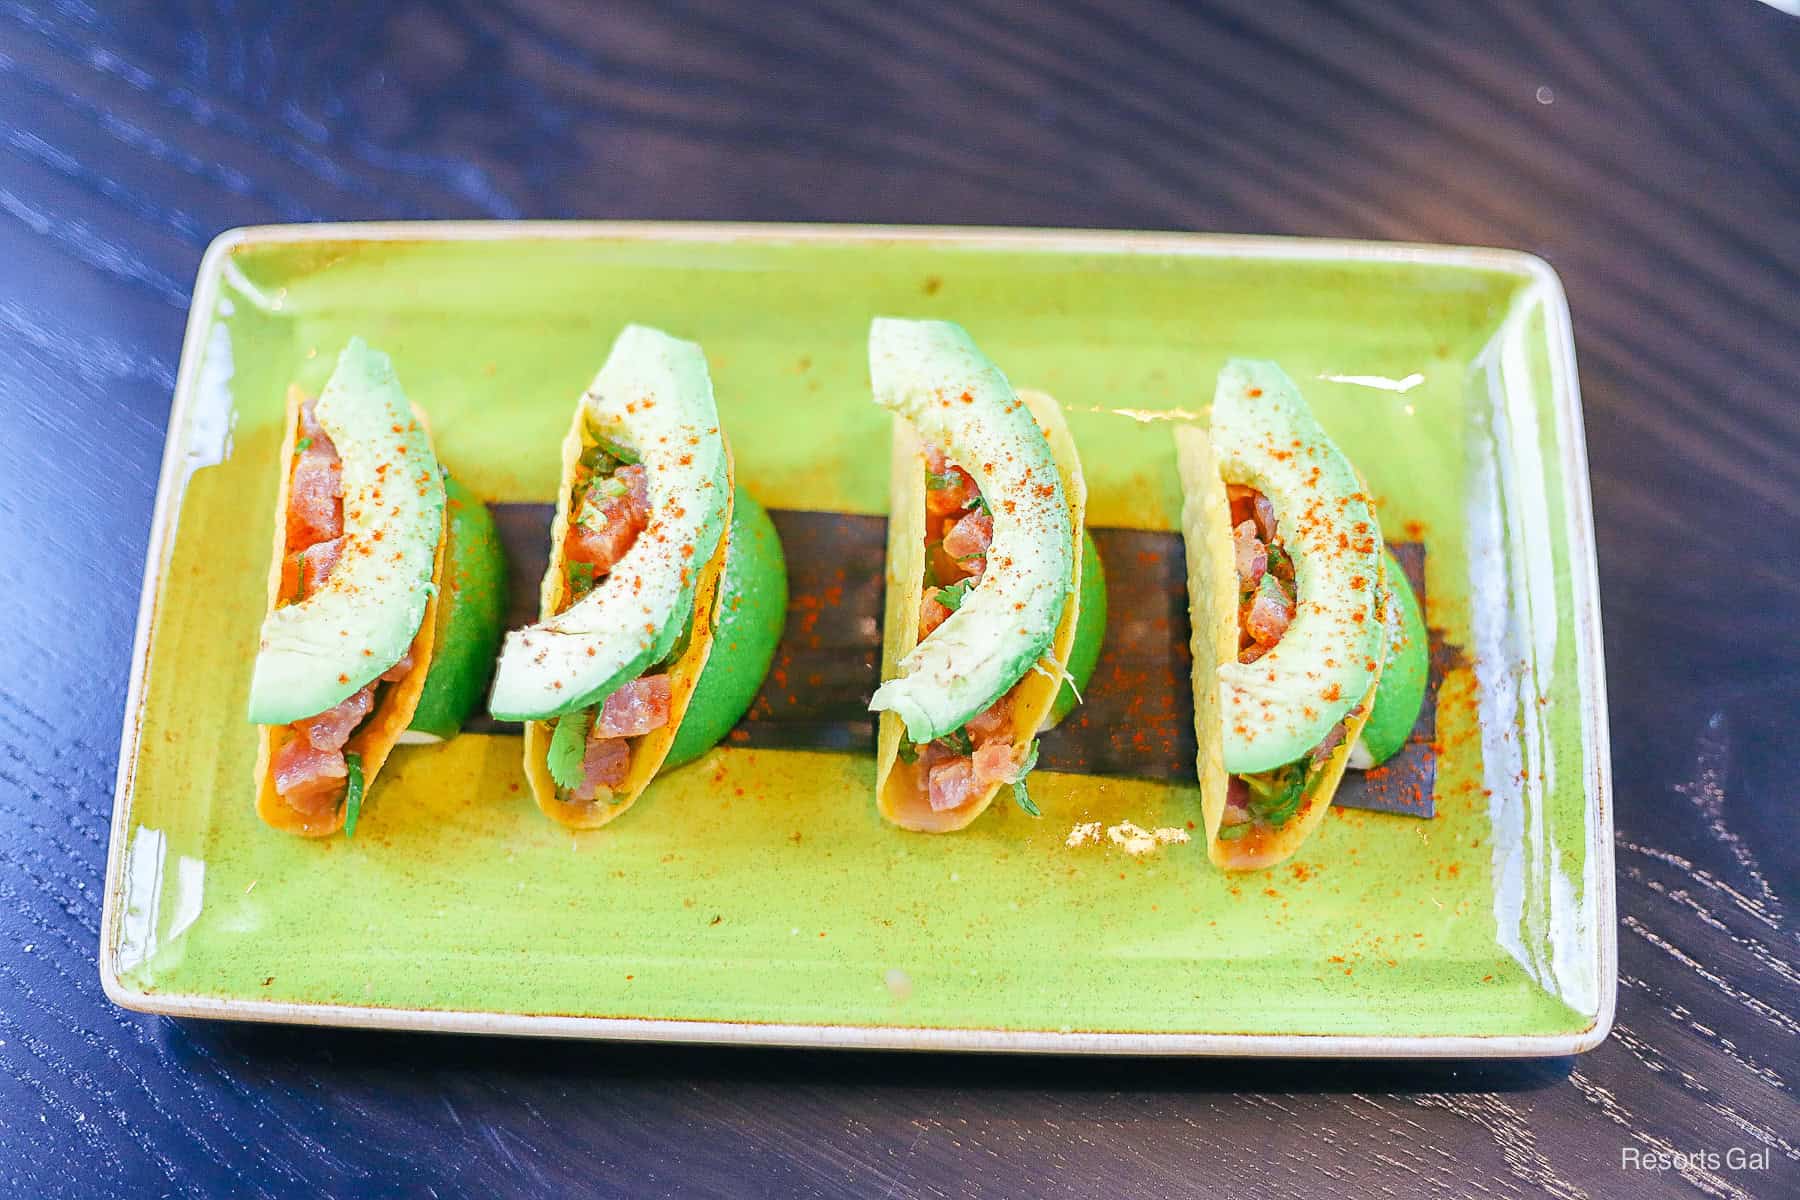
(398, 671)
(968, 540)
(317, 440)
(1248, 504)
(605, 764)
(635, 709)
(1237, 801)
(315, 504)
(605, 528)
(931, 613)
(1263, 510)
(952, 784)
(994, 722)
(941, 501)
(333, 727)
(316, 562)
(1252, 555)
(309, 779)
(995, 763)
(1268, 615)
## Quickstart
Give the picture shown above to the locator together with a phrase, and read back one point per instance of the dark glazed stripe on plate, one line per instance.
(1137, 715)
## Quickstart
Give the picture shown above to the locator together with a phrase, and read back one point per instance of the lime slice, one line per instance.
(753, 599)
(1404, 672)
(1090, 631)
(471, 605)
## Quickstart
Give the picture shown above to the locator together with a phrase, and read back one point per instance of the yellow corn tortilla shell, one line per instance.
(649, 750)
(897, 793)
(1213, 607)
(376, 737)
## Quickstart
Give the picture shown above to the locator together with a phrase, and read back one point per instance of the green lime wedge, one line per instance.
(1404, 672)
(471, 604)
(1090, 631)
(753, 600)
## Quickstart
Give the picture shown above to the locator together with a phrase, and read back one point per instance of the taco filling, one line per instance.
(312, 772)
(1266, 605)
(610, 507)
(959, 527)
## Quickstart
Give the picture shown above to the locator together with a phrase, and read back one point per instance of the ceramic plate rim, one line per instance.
(1584, 580)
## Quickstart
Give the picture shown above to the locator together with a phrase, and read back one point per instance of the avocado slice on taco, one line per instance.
(347, 644)
(629, 600)
(985, 551)
(1287, 589)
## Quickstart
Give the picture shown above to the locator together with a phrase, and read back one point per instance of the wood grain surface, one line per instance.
(1650, 149)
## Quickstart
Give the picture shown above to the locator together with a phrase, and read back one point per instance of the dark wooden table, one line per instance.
(1649, 150)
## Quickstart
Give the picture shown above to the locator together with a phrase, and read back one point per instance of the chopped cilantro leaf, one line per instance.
(935, 482)
(568, 745)
(303, 444)
(980, 502)
(953, 596)
(353, 792)
(1275, 795)
(613, 449)
(1231, 833)
(1020, 794)
(958, 740)
(581, 577)
(909, 753)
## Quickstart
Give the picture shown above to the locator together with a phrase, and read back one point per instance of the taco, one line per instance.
(628, 602)
(1288, 597)
(347, 643)
(985, 551)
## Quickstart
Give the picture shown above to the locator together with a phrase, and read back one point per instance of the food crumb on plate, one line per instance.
(1134, 839)
(1129, 836)
(1084, 832)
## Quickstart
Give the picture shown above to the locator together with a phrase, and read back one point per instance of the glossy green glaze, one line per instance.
(761, 886)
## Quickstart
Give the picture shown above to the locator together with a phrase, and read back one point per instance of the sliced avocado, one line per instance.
(932, 374)
(470, 609)
(653, 395)
(317, 652)
(1282, 705)
(1090, 632)
(1404, 674)
(753, 597)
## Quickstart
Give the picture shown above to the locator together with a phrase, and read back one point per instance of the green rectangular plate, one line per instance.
(755, 896)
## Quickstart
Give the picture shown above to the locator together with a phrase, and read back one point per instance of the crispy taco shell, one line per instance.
(1213, 606)
(649, 750)
(897, 792)
(375, 738)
